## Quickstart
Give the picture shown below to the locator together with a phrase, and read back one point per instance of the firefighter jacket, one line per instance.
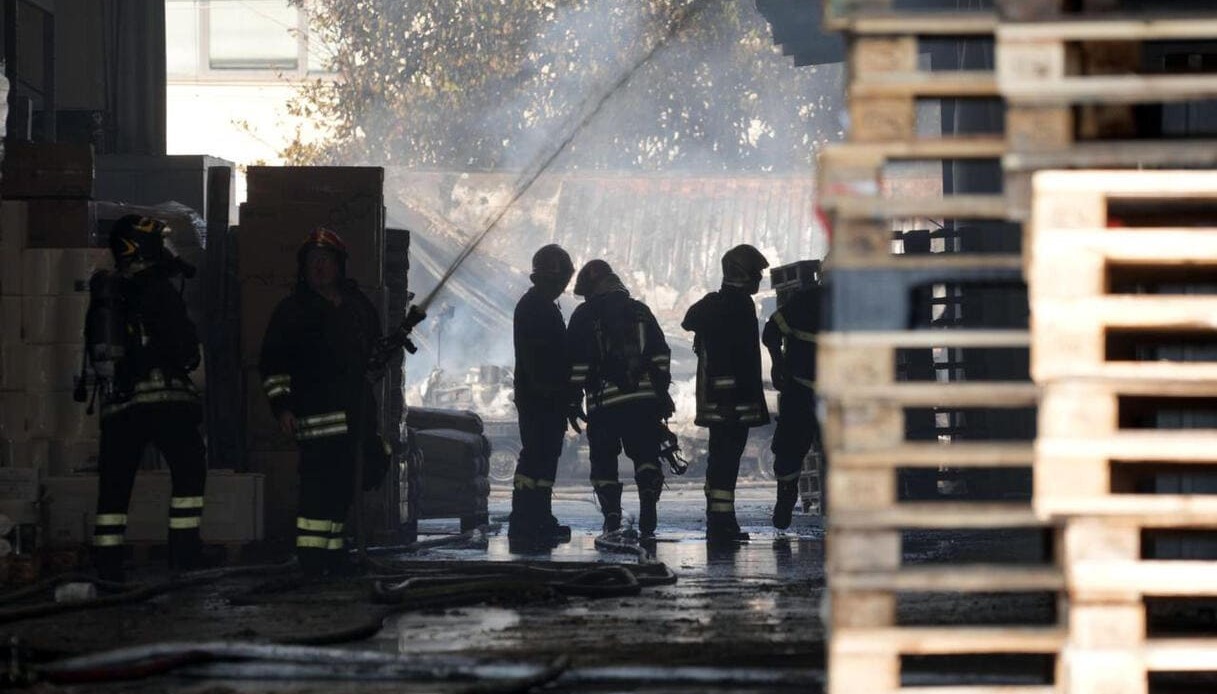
(542, 375)
(727, 344)
(161, 343)
(791, 333)
(618, 352)
(314, 357)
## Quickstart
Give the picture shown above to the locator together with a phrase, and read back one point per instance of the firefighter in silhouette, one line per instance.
(790, 337)
(730, 397)
(314, 363)
(142, 347)
(621, 361)
(542, 394)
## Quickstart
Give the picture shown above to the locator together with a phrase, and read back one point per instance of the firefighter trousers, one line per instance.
(542, 429)
(327, 486)
(634, 428)
(797, 430)
(174, 429)
(727, 442)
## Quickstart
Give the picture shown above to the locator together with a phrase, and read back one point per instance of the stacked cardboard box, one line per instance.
(284, 205)
(43, 299)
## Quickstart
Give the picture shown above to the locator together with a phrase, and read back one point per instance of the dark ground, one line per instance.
(755, 608)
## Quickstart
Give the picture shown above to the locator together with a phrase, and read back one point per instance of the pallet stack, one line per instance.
(1115, 262)
(924, 362)
(1117, 335)
(284, 205)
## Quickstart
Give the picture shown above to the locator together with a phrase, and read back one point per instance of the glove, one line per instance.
(575, 415)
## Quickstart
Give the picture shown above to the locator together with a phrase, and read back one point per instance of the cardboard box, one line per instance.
(54, 319)
(10, 319)
(270, 236)
(18, 484)
(258, 302)
(55, 271)
(282, 491)
(52, 367)
(12, 243)
(47, 170)
(60, 223)
(30, 455)
(314, 183)
(13, 416)
(232, 507)
(71, 456)
(55, 414)
(12, 366)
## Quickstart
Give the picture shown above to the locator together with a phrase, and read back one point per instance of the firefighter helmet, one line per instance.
(743, 266)
(137, 238)
(324, 238)
(552, 262)
(590, 276)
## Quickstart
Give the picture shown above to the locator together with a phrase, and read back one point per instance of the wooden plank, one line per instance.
(951, 206)
(927, 85)
(924, 24)
(941, 515)
(861, 489)
(962, 394)
(868, 609)
(948, 640)
(1192, 28)
(849, 550)
(983, 689)
(863, 424)
(1075, 154)
(1088, 409)
(962, 579)
(926, 338)
(1129, 184)
(1175, 445)
(962, 454)
(1181, 654)
(945, 261)
(1151, 510)
(1110, 672)
(1145, 578)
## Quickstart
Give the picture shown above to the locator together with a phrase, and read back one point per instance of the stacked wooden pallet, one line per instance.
(1089, 88)
(1113, 325)
(893, 379)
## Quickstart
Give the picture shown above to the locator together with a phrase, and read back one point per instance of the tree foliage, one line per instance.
(494, 84)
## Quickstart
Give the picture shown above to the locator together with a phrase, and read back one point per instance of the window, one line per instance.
(240, 39)
(253, 35)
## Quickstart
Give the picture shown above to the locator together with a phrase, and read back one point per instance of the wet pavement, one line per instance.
(742, 620)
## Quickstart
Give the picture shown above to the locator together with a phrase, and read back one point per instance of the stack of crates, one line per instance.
(923, 366)
(1119, 264)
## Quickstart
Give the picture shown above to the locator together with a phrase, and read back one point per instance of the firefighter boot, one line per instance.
(185, 550)
(609, 496)
(788, 495)
(109, 563)
(650, 486)
(722, 529)
(551, 529)
(523, 529)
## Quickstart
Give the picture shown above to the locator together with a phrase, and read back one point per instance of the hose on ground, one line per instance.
(138, 593)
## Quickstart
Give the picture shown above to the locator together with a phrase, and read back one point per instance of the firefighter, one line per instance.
(730, 398)
(790, 337)
(542, 392)
(142, 347)
(621, 361)
(314, 362)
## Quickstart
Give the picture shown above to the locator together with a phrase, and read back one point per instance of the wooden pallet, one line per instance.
(879, 17)
(1107, 582)
(1084, 323)
(887, 78)
(864, 365)
(853, 183)
(1081, 62)
(1085, 463)
(886, 298)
